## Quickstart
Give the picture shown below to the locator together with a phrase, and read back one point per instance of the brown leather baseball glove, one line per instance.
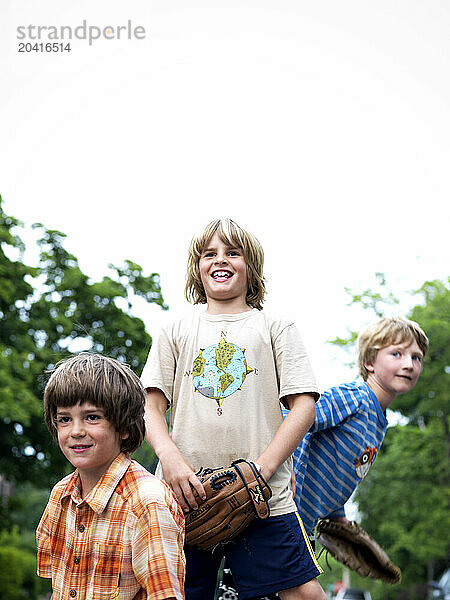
(234, 497)
(356, 549)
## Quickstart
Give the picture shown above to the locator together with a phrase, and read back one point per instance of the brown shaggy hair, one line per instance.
(385, 332)
(233, 235)
(107, 384)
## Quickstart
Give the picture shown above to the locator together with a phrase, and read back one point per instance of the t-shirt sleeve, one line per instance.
(44, 556)
(159, 370)
(334, 406)
(157, 554)
(294, 372)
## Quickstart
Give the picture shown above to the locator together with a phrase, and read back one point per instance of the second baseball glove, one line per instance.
(234, 497)
(356, 549)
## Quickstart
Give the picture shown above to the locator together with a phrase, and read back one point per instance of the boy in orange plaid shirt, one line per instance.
(110, 529)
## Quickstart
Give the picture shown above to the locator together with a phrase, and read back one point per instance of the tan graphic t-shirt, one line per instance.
(224, 377)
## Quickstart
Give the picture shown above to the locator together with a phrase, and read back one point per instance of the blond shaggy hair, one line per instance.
(107, 384)
(233, 235)
(386, 332)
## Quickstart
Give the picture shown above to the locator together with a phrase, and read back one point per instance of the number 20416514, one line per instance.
(41, 47)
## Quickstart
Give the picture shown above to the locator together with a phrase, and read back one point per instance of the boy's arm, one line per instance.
(291, 431)
(177, 470)
(43, 545)
(158, 560)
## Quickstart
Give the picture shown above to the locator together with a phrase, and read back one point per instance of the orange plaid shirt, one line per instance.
(123, 541)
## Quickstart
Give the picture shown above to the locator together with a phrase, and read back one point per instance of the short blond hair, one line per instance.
(383, 333)
(107, 384)
(233, 235)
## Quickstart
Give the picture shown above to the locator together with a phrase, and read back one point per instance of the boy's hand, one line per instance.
(340, 520)
(179, 474)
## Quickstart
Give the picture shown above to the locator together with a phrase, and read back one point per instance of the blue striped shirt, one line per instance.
(337, 452)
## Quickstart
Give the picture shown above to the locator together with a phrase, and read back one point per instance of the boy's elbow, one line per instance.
(304, 403)
(309, 408)
(155, 401)
(313, 414)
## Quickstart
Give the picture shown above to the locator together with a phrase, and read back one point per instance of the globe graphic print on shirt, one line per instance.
(219, 371)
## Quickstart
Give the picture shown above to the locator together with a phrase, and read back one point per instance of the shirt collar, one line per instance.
(100, 495)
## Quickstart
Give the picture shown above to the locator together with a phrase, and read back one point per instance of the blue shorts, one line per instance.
(270, 555)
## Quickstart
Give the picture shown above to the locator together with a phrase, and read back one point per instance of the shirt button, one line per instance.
(72, 593)
(76, 560)
(81, 528)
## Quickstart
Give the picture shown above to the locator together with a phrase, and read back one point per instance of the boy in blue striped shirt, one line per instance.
(341, 445)
(337, 452)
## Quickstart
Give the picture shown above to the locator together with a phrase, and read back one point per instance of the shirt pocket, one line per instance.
(105, 573)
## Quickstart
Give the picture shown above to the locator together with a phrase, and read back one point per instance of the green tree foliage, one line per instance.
(430, 398)
(404, 500)
(43, 309)
(18, 579)
(11, 573)
(15, 345)
(374, 299)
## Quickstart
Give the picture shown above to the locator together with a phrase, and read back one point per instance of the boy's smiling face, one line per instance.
(394, 371)
(88, 440)
(223, 272)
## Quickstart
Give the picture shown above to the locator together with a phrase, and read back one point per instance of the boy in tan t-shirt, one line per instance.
(223, 373)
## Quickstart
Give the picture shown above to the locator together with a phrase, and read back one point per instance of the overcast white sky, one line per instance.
(321, 126)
